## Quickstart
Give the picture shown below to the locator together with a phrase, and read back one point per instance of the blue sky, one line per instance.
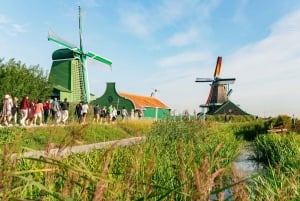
(166, 44)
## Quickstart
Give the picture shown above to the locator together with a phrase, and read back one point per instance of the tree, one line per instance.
(17, 80)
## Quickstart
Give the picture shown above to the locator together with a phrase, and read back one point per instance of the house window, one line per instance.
(110, 99)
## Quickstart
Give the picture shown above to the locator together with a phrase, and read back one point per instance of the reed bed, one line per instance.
(277, 150)
(281, 178)
(178, 161)
(276, 184)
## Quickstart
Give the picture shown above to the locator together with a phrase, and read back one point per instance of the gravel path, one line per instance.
(77, 149)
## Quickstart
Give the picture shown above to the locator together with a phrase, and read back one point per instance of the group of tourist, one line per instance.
(32, 113)
(109, 114)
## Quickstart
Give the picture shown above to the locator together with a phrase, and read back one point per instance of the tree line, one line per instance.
(18, 80)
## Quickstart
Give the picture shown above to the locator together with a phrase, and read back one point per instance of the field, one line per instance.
(182, 159)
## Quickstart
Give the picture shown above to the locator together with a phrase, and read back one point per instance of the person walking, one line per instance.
(46, 108)
(78, 109)
(14, 110)
(38, 111)
(31, 112)
(56, 114)
(132, 114)
(124, 113)
(84, 111)
(6, 110)
(103, 114)
(110, 112)
(114, 114)
(96, 113)
(64, 110)
(24, 110)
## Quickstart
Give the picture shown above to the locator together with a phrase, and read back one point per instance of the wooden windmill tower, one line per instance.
(69, 69)
(217, 101)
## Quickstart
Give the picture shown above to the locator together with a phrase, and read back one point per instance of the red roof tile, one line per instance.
(144, 101)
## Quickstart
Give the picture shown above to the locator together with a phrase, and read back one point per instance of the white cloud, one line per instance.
(168, 14)
(207, 7)
(239, 15)
(3, 20)
(268, 71)
(10, 28)
(18, 28)
(184, 38)
(137, 23)
(267, 74)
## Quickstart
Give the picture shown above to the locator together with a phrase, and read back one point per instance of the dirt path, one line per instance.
(78, 149)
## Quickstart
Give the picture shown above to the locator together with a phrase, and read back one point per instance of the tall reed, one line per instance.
(180, 160)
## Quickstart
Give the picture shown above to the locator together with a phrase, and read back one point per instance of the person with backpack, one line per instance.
(56, 113)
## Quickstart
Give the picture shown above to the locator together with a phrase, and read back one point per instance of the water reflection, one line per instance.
(244, 164)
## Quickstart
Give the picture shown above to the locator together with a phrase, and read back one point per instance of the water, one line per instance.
(244, 166)
(244, 163)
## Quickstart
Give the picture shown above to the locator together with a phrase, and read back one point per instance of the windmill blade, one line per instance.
(102, 60)
(203, 79)
(80, 28)
(56, 39)
(218, 67)
(97, 64)
(229, 92)
(224, 80)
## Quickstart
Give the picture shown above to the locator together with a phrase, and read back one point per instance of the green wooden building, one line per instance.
(66, 75)
(150, 107)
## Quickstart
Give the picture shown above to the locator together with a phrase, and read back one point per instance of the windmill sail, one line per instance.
(56, 39)
(218, 67)
(82, 56)
(100, 60)
(203, 80)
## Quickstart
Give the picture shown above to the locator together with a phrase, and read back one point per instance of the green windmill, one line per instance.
(69, 69)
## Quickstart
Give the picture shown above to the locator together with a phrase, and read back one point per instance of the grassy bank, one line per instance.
(39, 138)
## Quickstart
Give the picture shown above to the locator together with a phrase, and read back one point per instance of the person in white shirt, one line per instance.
(84, 111)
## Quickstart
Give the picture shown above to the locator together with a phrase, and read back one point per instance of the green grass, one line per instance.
(179, 160)
(281, 177)
(276, 184)
(38, 138)
(278, 150)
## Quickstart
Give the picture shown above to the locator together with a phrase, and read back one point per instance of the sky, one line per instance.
(167, 44)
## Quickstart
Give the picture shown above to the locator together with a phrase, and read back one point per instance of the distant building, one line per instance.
(218, 98)
(227, 107)
(149, 106)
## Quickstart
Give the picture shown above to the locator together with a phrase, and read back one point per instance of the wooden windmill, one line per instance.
(69, 69)
(219, 92)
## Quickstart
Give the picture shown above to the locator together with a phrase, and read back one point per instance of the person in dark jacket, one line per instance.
(78, 111)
